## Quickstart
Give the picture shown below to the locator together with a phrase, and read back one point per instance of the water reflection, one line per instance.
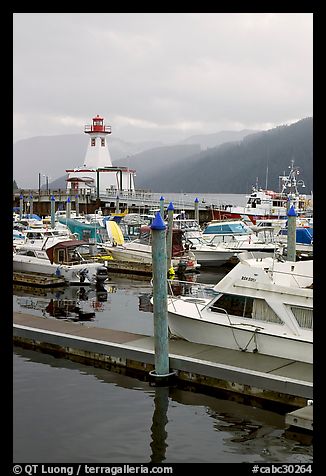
(160, 419)
(181, 426)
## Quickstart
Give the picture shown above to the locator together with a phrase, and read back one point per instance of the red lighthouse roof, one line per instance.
(98, 126)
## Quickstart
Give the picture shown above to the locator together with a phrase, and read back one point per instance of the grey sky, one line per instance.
(160, 76)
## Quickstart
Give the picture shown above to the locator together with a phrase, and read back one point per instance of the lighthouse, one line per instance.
(97, 154)
(98, 175)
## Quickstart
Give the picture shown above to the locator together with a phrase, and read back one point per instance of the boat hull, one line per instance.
(232, 337)
(71, 274)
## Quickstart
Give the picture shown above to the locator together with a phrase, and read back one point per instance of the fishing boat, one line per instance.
(263, 305)
(64, 258)
(266, 204)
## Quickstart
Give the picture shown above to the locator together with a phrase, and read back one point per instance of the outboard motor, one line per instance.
(101, 276)
(82, 275)
(182, 266)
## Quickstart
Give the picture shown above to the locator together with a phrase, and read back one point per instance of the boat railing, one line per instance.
(294, 277)
(196, 293)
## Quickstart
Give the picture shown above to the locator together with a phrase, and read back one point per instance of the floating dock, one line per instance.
(265, 381)
(35, 279)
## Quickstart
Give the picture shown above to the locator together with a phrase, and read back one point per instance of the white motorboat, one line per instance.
(262, 305)
(236, 235)
(140, 250)
(64, 258)
(209, 255)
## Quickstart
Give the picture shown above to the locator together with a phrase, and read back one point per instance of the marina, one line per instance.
(126, 299)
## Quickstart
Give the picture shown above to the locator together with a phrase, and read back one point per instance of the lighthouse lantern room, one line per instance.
(97, 170)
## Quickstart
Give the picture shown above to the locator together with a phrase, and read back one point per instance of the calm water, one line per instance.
(68, 412)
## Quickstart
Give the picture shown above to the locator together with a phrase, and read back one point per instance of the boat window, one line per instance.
(61, 256)
(303, 316)
(26, 253)
(234, 305)
(245, 306)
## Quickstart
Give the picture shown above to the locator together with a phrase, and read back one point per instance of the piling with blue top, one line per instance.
(117, 205)
(68, 208)
(159, 271)
(291, 238)
(170, 210)
(77, 205)
(21, 206)
(197, 210)
(31, 204)
(162, 206)
(52, 211)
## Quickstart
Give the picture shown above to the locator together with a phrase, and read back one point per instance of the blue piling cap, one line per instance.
(21, 196)
(68, 199)
(158, 223)
(52, 197)
(76, 196)
(196, 200)
(162, 198)
(31, 196)
(291, 212)
(170, 207)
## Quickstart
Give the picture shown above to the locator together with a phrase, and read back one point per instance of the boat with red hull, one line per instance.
(266, 204)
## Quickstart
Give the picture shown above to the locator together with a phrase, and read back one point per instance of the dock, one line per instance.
(266, 381)
(301, 418)
(129, 267)
(36, 279)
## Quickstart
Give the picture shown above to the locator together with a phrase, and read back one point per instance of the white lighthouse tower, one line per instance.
(97, 154)
(97, 173)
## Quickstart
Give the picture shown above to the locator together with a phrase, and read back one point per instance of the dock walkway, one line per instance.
(263, 378)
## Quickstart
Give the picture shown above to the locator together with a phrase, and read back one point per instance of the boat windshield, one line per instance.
(228, 228)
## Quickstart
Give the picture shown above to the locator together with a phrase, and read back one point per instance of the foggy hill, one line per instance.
(213, 140)
(235, 167)
(52, 155)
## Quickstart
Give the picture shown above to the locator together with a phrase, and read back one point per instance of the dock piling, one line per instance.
(291, 238)
(68, 208)
(159, 269)
(170, 210)
(52, 211)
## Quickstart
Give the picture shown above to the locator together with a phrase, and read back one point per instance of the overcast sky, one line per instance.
(160, 76)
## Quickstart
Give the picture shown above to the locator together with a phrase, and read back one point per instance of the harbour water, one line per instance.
(69, 412)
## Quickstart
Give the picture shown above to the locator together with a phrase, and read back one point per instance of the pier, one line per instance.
(266, 381)
(138, 201)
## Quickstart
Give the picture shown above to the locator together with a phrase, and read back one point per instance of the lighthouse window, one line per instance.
(102, 142)
(93, 142)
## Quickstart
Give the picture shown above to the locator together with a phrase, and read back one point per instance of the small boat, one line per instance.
(64, 258)
(236, 235)
(263, 305)
(140, 250)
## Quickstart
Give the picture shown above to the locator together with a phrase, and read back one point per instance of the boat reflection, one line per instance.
(74, 303)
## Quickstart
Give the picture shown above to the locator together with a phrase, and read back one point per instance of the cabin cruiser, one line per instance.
(264, 305)
(63, 258)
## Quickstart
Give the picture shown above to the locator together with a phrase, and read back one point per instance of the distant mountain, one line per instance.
(235, 167)
(52, 155)
(151, 163)
(230, 167)
(213, 140)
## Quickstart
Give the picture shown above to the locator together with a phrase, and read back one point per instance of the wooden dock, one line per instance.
(278, 384)
(129, 267)
(35, 279)
(301, 418)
